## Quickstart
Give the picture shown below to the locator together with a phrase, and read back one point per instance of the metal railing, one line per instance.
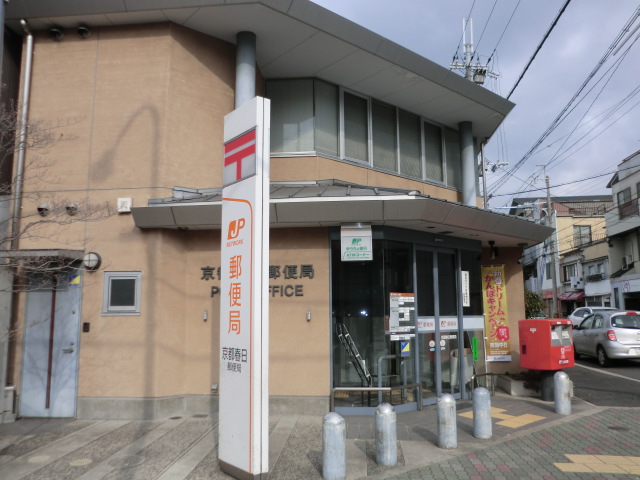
(493, 380)
(332, 399)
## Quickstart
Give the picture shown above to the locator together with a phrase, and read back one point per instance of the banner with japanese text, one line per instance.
(496, 323)
(243, 426)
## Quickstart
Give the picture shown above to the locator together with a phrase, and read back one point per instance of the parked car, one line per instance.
(580, 314)
(608, 335)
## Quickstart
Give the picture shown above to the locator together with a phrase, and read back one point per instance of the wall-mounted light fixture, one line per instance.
(91, 261)
(72, 208)
(83, 31)
(44, 209)
(56, 33)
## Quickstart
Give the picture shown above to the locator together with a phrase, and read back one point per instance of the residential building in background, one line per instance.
(579, 224)
(623, 230)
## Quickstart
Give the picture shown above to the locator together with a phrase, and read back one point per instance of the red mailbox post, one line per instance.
(546, 344)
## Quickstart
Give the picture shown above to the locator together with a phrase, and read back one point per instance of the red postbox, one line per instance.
(546, 344)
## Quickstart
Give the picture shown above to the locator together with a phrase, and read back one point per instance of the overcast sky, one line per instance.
(604, 125)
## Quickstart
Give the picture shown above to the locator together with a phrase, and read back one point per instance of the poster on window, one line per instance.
(496, 321)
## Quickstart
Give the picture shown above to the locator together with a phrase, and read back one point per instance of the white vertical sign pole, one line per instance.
(243, 447)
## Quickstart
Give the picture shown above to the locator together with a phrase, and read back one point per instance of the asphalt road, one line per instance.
(616, 386)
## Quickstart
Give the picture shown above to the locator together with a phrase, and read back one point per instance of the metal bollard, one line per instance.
(386, 436)
(481, 413)
(334, 434)
(447, 433)
(562, 393)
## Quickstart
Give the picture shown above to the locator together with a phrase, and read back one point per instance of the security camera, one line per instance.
(72, 208)
(44, 209)
(83, 31)
(56, 33)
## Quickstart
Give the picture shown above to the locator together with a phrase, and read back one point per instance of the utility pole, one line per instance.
(485, 204)
(476, 73)
(552, 246)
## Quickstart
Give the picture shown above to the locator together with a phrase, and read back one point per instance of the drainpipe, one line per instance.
(245, 68)
(22, 139)
(7, 347)
(469, 169)
(2, 4)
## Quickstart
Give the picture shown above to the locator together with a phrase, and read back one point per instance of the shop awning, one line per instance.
(571, 296)
(333, 203)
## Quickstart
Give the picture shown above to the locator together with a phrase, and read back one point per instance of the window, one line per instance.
(569, 271)
(121, 294)
(326, 108)
(548, 271)
(314, 117)
(453, 158)
(581, 235)
(433, 152)
(356, 129)
(410, 163)
(626, 206)
(291, 116)
(383, 126)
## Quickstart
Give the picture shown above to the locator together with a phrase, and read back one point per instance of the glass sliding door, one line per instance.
(437, 337)
(413, 314)
(364, 353)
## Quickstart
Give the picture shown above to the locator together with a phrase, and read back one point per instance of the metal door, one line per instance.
(50, 351)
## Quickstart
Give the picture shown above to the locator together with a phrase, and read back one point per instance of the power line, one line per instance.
(561, 116)
(503, 32)
(544, 39)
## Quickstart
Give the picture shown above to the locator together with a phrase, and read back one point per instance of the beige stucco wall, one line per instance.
(321, 168)
(565, 226)
(145, 108)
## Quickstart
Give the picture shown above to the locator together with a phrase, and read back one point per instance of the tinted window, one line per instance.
(625, 321)
(586, 323)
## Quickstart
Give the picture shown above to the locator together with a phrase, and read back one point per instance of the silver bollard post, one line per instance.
(386, 436)
(447, 433)
(562, 393)
(334, 434)
(482, 413)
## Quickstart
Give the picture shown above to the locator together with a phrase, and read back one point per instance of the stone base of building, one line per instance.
(110, 408)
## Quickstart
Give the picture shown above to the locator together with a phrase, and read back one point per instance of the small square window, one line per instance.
(121, 293)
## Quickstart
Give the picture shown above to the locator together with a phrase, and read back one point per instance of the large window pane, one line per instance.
(410, 163)
(447, 284)
(356, 131)
(383, 120)
(433, 152)
(291, 115)
(454, 161)
(326, 104)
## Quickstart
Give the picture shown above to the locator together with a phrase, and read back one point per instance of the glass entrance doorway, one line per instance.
(400, 320)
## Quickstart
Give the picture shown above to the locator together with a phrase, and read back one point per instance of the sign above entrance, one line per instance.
(356, 243)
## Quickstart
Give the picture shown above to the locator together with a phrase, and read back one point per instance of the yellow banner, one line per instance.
(496, 322)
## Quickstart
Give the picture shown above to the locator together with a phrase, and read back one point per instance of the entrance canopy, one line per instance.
(333, 203)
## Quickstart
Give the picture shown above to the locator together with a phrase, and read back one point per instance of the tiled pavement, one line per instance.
(529, 441)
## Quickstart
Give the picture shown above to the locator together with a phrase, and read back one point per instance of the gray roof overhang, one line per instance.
(296, 38)
(314, 205)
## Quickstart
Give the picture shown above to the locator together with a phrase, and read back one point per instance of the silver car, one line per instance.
(581, 313)
(608, 335)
